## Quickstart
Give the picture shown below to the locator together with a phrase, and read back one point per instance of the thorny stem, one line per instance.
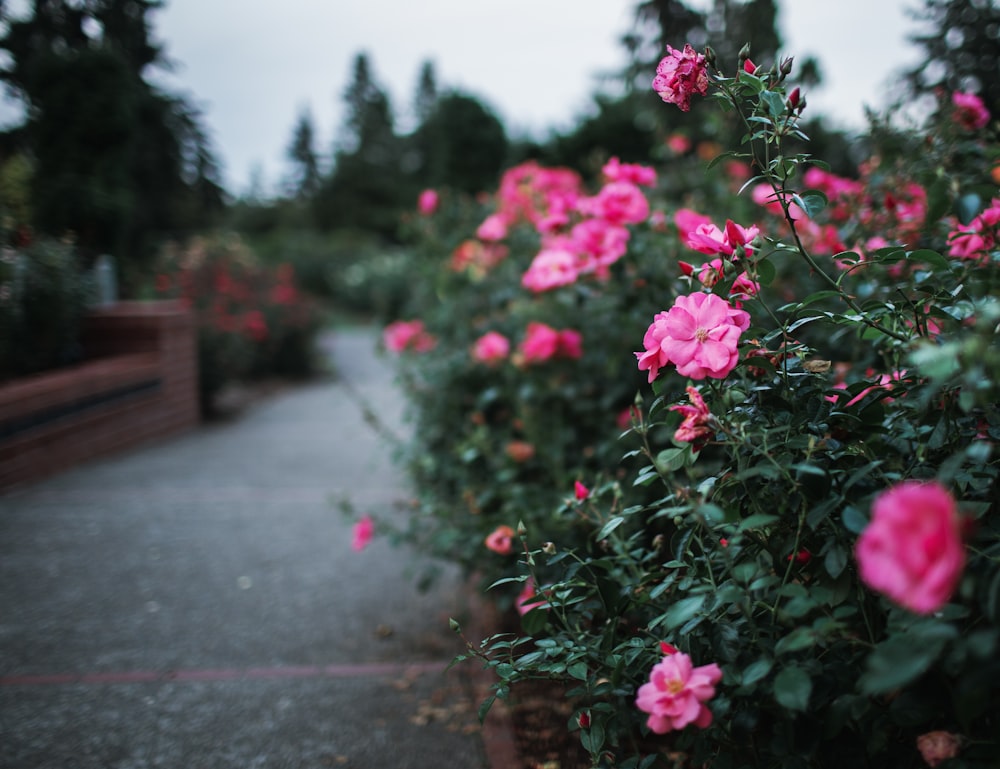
(781, 195)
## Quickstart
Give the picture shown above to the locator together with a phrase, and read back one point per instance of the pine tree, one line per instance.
(961, 44)
(302, 152)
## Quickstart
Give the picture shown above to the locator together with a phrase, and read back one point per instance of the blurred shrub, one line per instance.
(253, 321)
(43, 296)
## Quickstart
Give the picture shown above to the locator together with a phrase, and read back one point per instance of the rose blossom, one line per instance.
(679, 75)
(551, 268)
(491, 347)
(617, 203)
(677, 692)
(427, 203)
(501, 540)
(698, 335)
(528, 599)
(494, 227)
(970, 112)
(404, 335)
(542, 342)
(616, 171)
(938, 746)
(362, 533)
(912, 550)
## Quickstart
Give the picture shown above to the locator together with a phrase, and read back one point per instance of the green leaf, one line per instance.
(774, 101)
(683, 610)
(812, 202)
(899, 660)
(967, 207)
(578, 670)
(800, 638)
(765, 272)
(758, 521)
(835, 561)
(669, 460)
(609, 527)
(933, 258)
(484, 708)
(755, 671)
(792, 688)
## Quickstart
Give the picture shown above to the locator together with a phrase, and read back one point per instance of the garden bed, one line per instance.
(139, 383)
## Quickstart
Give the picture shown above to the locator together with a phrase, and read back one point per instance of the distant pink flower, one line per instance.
(551, 268)
(980, 236)
(528, 599)
(580, 491)
(938, 746)
(501, 540)
(970, 112)
(255, 325)
(687, 221)
(699, 335)
(696, 425)
(617, 203)
(403, 335)
(362, 533)
(680, 75)
(491, 347)
(542, 342)
(677, 692)
(427, 202)
(600, 244)
(912, 549)
(493, 228)
(569, 344)
(679, 144)
(616, 171)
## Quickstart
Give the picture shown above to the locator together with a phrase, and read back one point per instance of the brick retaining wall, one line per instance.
(139, 383)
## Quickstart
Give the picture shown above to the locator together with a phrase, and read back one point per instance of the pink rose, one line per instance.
(427, 202)
(551, 268)
(494, 227)
(679, 75)
(912, 550)
(540, 343)
(616, 171)
(403, 335)
(491, 347)
(362, 533)
(501, 540)
(569, 344)
(699, 335)
(677, 692)
(617, 203)
(938, 746)
(970, 112)
(528, 598)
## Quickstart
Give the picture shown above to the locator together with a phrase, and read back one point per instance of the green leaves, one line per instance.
(792, 688)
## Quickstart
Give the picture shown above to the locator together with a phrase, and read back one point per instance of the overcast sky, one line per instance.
(253, 66)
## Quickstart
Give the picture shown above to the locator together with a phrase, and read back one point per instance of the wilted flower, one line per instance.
(970, 112)
(938, 746)
(679, 75)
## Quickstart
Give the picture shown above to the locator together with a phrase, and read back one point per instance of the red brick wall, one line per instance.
(139, 383)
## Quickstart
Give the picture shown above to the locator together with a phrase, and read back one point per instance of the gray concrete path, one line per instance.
(196, 604)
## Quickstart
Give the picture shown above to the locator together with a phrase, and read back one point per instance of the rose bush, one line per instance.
(806, 505)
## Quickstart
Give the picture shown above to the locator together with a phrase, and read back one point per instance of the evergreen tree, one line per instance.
(427, 93)
(365, 190)
(115, 161)
(464, 143)
(961, 44)
(302, 153)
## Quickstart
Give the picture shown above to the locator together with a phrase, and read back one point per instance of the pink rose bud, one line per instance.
(749, 66)
(581, 491)
(667, 648)
(584, 720)
(794, 97)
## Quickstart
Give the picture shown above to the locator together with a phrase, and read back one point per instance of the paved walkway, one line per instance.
(196, 604)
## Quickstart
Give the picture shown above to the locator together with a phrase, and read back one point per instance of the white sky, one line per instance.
(253, 66)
